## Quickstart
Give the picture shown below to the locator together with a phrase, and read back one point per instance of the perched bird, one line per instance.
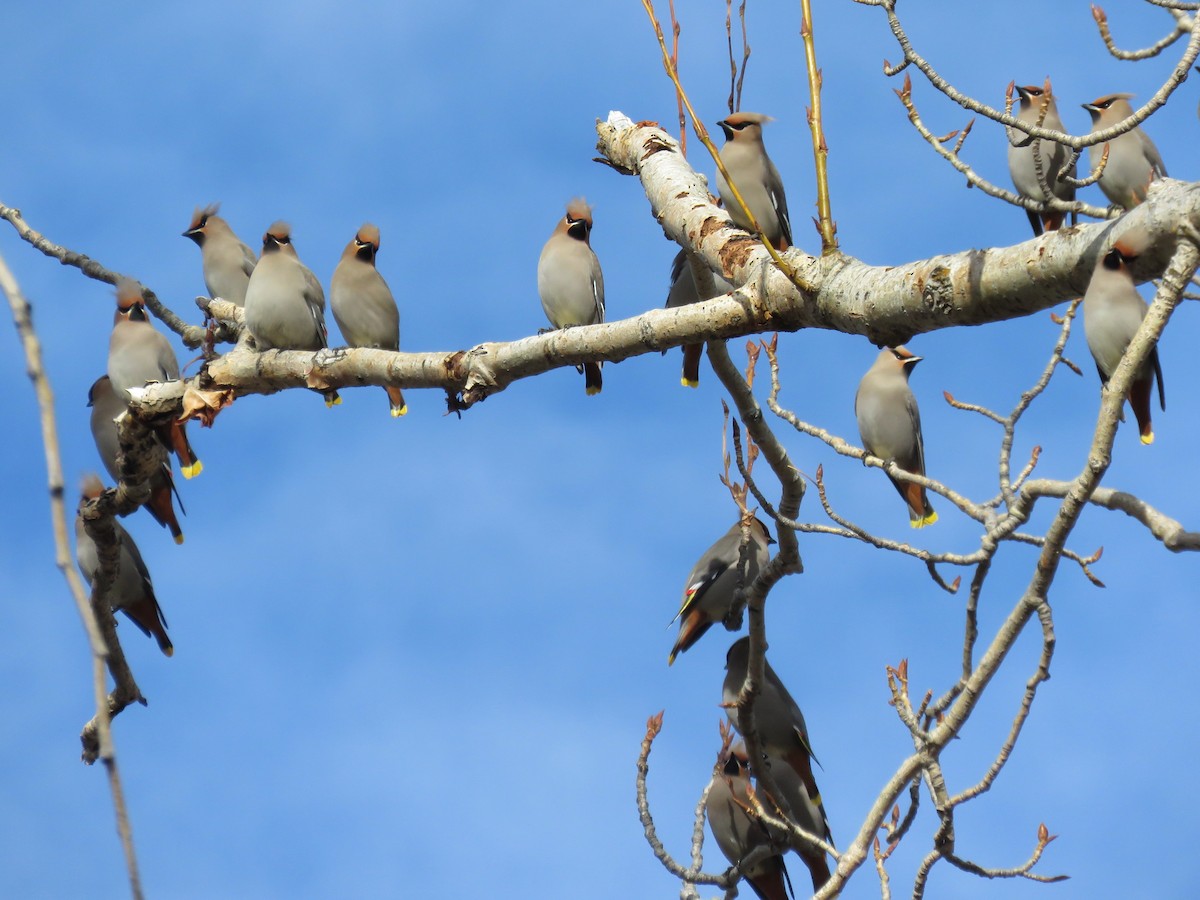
(285, 304)
(1112, 312)
(363, 304)
(132, 592)
(709, 590)
(756, 177)
(737, 834)
(106, 407)
(890, 426)
(783, 737)
(681, 293)
(227, 262)
(1022, 164)
(570, 282)
(139, 354)
(1133, 160)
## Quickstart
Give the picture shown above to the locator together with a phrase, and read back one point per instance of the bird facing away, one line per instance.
(106, 407)
(1053, 157)
(783, 737)
(570, 282)
(285, 304)
(711, 586)
(132, 592)
(681, 293)
(363, 304)
(139, 354)
(227, 262)
(756, 178)
(737, 834)
(1133, 160)
(1112, 311)
(890, 426)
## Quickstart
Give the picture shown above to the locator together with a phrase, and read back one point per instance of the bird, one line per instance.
(737, 834)
(1022, 165)
(709, 590)
(106, 408)
(890, 426)
(756, 178)
(227, 262)
(1112, 311)
(783, 738)
(570, 282)
(132, 592)
(681, 293)
(363, 304)
(1133, 160)
(138, 354)
(285, 304)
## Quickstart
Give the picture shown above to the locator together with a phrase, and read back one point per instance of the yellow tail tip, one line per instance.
(929, 519)
(402, 411)
(193, 470)
(168, 651)
(179, 538)
(1148, 438)
(593, 391)
(336, 401)
(671, 658)
(687, 382)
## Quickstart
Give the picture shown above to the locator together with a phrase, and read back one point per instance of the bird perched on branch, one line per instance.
(711, 586)
(1037, 106)
(783, 738)
(889, 424)
(132, 592)
(1133, 160)
(363, 304)
(756, 178)
(227, 262)
(106, 408)
(139, 354)
(1112, 312)
(570, 282)
(285, 303)
(683, 292)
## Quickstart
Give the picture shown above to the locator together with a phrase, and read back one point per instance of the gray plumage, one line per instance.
(133, 592)
(1022, 164)
(227, 262)
(569, 279)
(137, 352)
(285, 304)
(363, 304)
(737, 835)
(681, 293)
(708, 593)
(783, 737)
(757, 179)
(889, 424)
(1112, 313)
(1133, 160)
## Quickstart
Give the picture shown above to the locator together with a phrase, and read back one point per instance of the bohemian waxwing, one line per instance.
(738, 835)
(1133, 160)
(1022, 165)
(709, 590)
(681, 293)
(570, 282)
(756, 178)
(285, 304)
(890, 426)
(1112, 311)
(132, 592)
(783, 737)
(106, 408)
(363, 304)
(227, 262)
(137, 355)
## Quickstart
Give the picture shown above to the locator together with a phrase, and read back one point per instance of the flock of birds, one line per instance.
(284, 306)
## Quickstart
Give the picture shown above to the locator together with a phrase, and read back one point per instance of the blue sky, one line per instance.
(415, 658)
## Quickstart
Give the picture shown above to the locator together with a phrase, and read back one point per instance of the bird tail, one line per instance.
(396, 399)
(591, 378)
(691, 365)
